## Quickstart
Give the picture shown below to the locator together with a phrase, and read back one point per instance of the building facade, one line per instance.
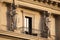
(29, 19)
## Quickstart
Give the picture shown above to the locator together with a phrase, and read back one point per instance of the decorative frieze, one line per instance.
(54, 3)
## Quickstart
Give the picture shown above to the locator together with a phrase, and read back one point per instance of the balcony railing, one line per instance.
(35, 32)
(22, 33)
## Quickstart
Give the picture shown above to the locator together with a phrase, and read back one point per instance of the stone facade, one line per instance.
(31, 20)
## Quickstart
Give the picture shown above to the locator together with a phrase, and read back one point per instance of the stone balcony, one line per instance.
(17, 35)
(22, 36)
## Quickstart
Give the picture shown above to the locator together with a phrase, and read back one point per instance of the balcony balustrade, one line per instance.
(23, 34)
(20, 34)
(35, 32)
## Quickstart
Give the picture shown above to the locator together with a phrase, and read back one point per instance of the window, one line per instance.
(28, 25)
